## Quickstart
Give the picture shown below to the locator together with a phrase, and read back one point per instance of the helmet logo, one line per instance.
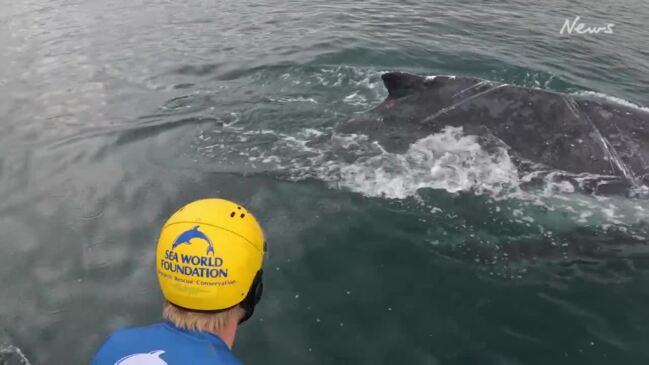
(187, 236)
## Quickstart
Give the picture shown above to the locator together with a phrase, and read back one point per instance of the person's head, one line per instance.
(209, 263)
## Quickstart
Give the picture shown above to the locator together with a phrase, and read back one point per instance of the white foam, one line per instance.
(448, 160)
(13, 352)
(355, 99)
(553, 185)
(433, 77)
(310, 132)
(610, 98)
(299, 99)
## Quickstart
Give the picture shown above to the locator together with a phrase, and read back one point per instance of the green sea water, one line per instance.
(116, 113)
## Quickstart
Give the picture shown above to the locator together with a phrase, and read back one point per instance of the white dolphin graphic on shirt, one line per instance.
(151, 358)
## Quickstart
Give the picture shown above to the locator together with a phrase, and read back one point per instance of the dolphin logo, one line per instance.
(187, 236)
(151, 358)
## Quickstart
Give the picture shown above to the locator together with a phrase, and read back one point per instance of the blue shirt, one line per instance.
(163, 344)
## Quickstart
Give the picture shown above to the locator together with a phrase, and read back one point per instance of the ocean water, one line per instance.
(115, 113)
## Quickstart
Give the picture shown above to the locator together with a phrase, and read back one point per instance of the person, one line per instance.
(209, 263)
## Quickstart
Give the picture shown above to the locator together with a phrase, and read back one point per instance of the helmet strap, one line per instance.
(254, 296)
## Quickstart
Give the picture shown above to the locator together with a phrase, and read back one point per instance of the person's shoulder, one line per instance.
(214, 353)
(200, 355)
(173, 347)
(129, 333)
(210, 354)
(229, 359)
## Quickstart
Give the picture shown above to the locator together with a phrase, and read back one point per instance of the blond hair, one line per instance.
(200, 321)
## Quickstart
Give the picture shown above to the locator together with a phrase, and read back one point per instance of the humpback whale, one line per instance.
(599, 145)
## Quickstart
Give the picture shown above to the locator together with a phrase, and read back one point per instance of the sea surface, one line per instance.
(116, 113)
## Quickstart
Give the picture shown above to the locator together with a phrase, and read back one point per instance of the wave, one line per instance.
(613, 99)
(298, 144)
(448, 161)
(11, 354)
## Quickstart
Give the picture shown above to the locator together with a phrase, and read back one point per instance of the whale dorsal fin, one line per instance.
(400, 84)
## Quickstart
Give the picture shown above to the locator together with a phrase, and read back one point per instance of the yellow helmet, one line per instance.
(209, 257)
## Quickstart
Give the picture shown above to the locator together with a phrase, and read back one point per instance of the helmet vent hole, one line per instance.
(232, 215)
(242, 215)
(239, 208)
